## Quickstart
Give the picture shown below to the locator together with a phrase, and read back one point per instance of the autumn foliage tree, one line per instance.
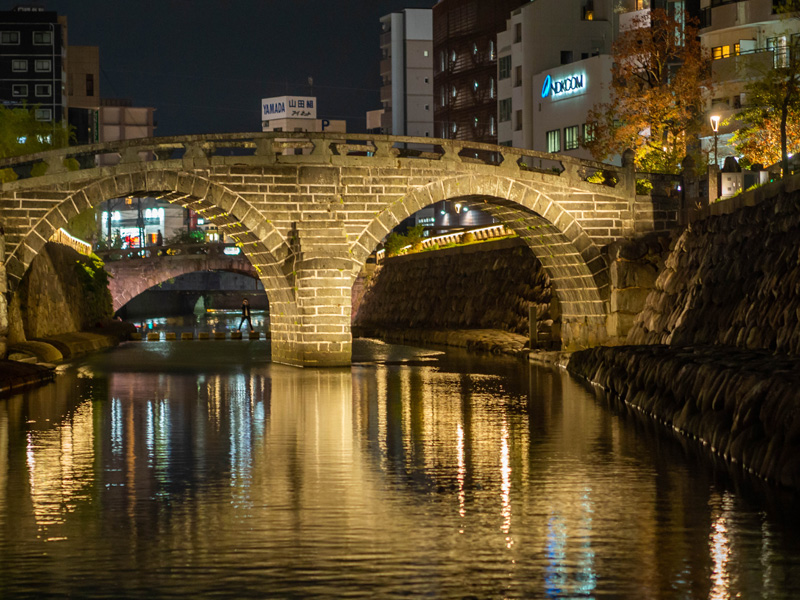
(658, 81)
(770, 122)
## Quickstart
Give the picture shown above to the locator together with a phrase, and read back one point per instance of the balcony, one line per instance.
(743, 66)
(386, 93)
(386, 66)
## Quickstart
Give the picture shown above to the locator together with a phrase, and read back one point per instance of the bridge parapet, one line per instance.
(280, 148)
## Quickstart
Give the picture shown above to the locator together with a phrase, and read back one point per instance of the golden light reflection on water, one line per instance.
(408, 480)
(60, 463)
(462, 471)
(720, 550)
(505, 486)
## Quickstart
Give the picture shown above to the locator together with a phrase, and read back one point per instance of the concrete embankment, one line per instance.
(476, 297)
(719, 339)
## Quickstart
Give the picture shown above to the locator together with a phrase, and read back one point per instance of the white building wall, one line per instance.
(569, 109)
(411, 56)
(540, 36)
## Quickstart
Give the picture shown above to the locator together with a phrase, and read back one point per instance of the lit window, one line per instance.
(43, 89)
(19, 65)
(571, 137)
(554, 140)
(19, 89)
(475, 85)
(9, 37)
(42, 38)
(492, 91)
(43, 65)
(44, 114)
(719, 52)
(737, 49)
(424, 53)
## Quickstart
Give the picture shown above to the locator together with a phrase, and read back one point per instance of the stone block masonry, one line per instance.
(307, 223)
(491, 285)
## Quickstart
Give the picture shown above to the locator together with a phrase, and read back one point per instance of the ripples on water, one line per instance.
(199, 469)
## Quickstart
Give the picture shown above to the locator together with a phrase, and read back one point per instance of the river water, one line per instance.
(201, 470)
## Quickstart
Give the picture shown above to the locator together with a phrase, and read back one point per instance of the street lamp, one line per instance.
(715, 126)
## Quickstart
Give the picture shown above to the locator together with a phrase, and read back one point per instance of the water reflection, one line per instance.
(443, 479)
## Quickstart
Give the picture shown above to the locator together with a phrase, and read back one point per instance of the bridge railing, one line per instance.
(306, 147)
(457, 237)
(64, 238)
(151, 252)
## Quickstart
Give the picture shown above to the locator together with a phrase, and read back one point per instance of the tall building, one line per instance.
(554, 64)
(33, 45)
(83, 92)
(407, 72)
(465, 67)
(745, 41)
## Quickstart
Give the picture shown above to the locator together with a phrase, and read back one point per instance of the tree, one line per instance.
(658, 82)
(21, 133)
(771, 120)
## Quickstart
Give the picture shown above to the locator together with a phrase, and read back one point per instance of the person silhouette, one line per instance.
(245, 316)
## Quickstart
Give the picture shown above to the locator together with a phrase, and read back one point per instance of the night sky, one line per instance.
(206, 64)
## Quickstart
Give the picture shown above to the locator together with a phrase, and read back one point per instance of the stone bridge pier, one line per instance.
(308, 209)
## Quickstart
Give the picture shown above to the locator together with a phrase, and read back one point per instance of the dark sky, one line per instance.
(206, 64)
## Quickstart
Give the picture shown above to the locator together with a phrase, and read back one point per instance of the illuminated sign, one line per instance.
(231, 250)
(289, 107)
(561, 87)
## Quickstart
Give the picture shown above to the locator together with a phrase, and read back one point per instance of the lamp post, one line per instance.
(715, 126)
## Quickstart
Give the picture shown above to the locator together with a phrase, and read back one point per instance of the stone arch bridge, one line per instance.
(309, 208)
(131, 273)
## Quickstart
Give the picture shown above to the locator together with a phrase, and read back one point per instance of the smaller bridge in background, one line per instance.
(136, 270)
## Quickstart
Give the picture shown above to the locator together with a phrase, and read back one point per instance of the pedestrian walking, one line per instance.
(245, 316)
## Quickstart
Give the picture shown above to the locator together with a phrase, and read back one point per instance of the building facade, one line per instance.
(407, 73)
(33, 49)
(554, 65)
(745, 40)
(295, 113)
(465, 67)
(83, 92)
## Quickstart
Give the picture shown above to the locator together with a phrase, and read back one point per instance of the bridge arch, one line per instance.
(132, 277)
(578, 271)
(263, 245)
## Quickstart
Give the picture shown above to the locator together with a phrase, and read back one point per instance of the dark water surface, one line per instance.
(200, 470)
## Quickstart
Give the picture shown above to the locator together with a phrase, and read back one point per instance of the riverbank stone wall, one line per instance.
(732, 280)
(58, 295)
(715, 352)
(491, 285)
(741, 405)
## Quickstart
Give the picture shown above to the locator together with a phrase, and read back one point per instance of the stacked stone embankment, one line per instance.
(718, 342)
(458, 296)
(743, 405)
(61, 309)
